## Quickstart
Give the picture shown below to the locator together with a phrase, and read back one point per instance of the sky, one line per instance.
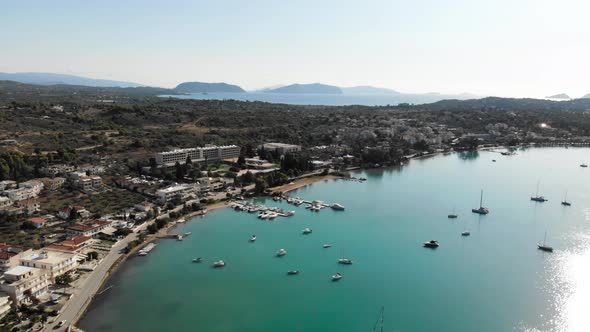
(518, 48)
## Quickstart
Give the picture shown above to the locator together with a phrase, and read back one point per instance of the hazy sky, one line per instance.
(499, 47)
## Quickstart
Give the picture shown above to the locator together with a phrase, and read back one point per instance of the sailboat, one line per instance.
(565, 202)
(538, 198)
(543, 246)
(481, 209)
(453, 215)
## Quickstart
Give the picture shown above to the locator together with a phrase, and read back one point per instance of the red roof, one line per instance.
(4, 246)
(4, 255)
(76, 240)
(37, 220)
(89, 226)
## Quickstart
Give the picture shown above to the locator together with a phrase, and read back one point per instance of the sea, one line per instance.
(492, 281)
(324, 99)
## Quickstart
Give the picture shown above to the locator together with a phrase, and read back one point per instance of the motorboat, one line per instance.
(253, 238)
(276, 198)
(336, 277)
(584, 165)
(272, 215)
(315, 208)
(307, 231)
(290, 213)
(292, 272)
(327, 246)
(452, 216)
(493, 160)
(345, 261)
(337, 207)
(179, 237)
(180, 221)
(465, 233)
(281, 252)
(219, 263)
(197, 260)
(481, 209)
(431, 244)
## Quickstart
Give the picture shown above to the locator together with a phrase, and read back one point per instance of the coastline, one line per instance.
(296, 184)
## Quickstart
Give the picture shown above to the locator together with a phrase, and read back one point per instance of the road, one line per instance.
(86, 290)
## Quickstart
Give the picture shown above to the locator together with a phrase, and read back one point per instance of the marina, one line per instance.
(383, 235)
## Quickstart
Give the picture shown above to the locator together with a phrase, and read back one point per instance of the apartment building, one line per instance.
(201, 154)
(91, 228)
(179, 191)
(92, 182)
(23, 283)
(53, 262)
(281, 148)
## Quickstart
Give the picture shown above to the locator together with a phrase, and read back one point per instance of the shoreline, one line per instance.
(296, 184)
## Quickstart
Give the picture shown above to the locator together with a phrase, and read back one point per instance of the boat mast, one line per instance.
(537, 194)
(545, 238)
(481, 199)
(382, 317)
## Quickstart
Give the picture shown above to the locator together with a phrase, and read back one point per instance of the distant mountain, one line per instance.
(307, 88)
(559, 96)
(367, 89)
(586, 96)
(200, 87)
(54, 79)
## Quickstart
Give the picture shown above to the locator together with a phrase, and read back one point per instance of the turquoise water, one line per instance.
(494, 280)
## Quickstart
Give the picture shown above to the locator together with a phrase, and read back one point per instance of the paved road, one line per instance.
(86, 290)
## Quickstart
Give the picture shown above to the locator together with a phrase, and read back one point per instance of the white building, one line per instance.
(23, 283)
(7, 184)
(35, 185)
(179, 191)
(5, 202)
(281, 148)
(53, 170)
(91, 228)
(53, 262)
(89, 182)
(207, 153)
(4, 304)
(20, 194)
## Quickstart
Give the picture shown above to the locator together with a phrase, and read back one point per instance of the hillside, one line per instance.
(201, 87)
(57, 79)
(307, 88)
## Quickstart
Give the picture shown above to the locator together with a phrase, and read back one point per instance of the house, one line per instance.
(29, 206)
(179, 191)
(64, 213)
(35, 185)
(91, 228)
(258, 163)
(21, 193)
(53, 262)
(53, 184)
(144, 207)
(5, 304)
(37, 222)
(10, 256)
(89, 182)
(91, 169)
(5, 202)
(23, 284)
(74, 245)
(54, 170)
(7, 184)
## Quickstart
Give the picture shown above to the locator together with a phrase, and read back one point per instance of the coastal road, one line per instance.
(84, 292)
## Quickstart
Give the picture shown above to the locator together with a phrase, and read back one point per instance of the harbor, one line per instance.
(382, 232)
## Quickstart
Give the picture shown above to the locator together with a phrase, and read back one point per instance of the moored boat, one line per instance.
(431, 244)
(307, 231)
(337, 207)
(292, 272)
(336, 277)
(327, 245)
(219, 263)
(253, 238)
(465, 233)
(345, 261)
(281, 252)
(481, 209)
(544, 246)
(197, 260)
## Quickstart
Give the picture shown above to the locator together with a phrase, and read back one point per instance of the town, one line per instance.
(80, 189)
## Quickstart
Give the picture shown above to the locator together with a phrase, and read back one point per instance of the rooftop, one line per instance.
(49, 257)
(19, 270)
(37, 220)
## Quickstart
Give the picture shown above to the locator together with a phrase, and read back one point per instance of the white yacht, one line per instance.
(253, 238)
(336, 277)
(219, 263)
(465, 233)
(345, 261)
(281, 252)
(307, 231)
(327, 245)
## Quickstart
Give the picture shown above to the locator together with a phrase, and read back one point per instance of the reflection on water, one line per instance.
(468, 155)
(568, 273)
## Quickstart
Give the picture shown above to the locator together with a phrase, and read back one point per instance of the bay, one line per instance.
(493, 280)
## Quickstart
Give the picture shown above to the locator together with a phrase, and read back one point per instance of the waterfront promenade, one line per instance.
(84, 293)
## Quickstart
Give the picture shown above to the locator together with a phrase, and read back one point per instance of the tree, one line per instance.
(180, 171)
(92, 255)
(64, 279)
(189, 161)
(260, 184)
(241, 160)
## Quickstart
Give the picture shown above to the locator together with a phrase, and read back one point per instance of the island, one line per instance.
(559, 96)
(307, 88)
(202, 87)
